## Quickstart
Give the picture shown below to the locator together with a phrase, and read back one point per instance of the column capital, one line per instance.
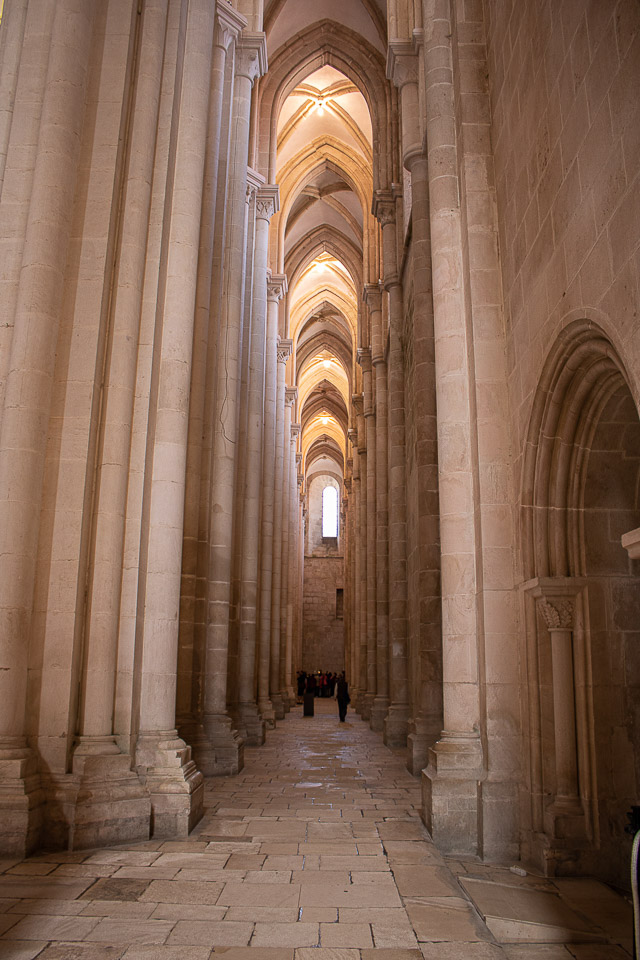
(631, 543)
(290, 395)
(556, 599)
(276, 287)
(267, 201)
(255, 180)
(251, 55)
(229, 24)
(347, 484)
(295, 432)
(298, 455)
(372, 296)
(364, 359)
(402, 63)
(383, 207)
(285, 349)
(352, 435)
(358, 403)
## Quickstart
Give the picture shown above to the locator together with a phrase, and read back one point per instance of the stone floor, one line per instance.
(316, 851)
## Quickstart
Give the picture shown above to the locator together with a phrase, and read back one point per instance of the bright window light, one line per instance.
(329, 512)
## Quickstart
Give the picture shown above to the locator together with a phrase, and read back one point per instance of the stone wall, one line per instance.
(322, 632)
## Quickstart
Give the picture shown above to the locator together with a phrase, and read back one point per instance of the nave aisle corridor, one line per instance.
(315, 851)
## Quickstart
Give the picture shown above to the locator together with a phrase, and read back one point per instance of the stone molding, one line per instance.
(555, 597)
(251, 56)
(383, 208)
(255, 180)
(357, 400)
(295, 433)
(285, 349)
(631, 543)
(229, 24)
(277, 286)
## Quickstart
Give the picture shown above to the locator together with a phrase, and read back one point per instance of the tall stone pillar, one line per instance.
(275, 692)
(292, 565)
(396, 722)
(290, 396)
(25, 415)
(452, 780)
(373, 298)
(356, 575)
(426, 716)
(363, 705)
(276, 289)
(222, 751)
(250, 723)
(364, 359)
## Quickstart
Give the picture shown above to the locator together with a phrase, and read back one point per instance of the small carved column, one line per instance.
(556, 602)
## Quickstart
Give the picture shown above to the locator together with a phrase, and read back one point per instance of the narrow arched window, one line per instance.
(329, 512)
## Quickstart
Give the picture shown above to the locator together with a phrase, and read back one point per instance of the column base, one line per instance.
(292, 698)
(219, 751)
(421, 736)
(101, 802)
(451, 794)
(278, 706)
(249, 724)
(378, 715)
(366, 703)
(265, 709)
(174, 783)
(395, 726)
(21, 800)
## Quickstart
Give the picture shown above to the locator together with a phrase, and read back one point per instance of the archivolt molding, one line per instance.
(324, 239)
(580, 374)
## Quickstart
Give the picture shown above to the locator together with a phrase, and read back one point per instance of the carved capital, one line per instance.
(352, 434)
(276, 287)
(285, 348)
(267, 201)
(298, 455)
(402, 63)
(251, 56)
(229, 24)
(557, 615)
(347, 485)
(384, 208)
(358, 403)
(364, 359)
(372, 296)
(295, 430)
(290, 396)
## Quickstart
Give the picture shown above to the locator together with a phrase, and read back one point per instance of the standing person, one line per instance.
(342, 696)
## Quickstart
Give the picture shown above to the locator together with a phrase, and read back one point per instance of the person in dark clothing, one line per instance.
(302, 682)
(342, 696)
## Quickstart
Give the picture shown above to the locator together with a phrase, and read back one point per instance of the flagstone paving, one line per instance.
(315, 851)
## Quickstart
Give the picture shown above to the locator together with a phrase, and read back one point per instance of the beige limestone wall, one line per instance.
(322, 632)
(565, 116)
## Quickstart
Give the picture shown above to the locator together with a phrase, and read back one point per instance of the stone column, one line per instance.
(373, 298)
(25, 415)
(356, 546)
(396, 722)
(276, 289)
(456, 762)
(292, 565)
(162, 758)
(109, 806)
(250, 724)
(284, 352)
(363, 705)
(222, 751)
(556, 601)
(364, 359)
(290, 396)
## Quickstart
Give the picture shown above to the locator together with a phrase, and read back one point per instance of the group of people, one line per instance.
(325, 684)
(321, 683)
